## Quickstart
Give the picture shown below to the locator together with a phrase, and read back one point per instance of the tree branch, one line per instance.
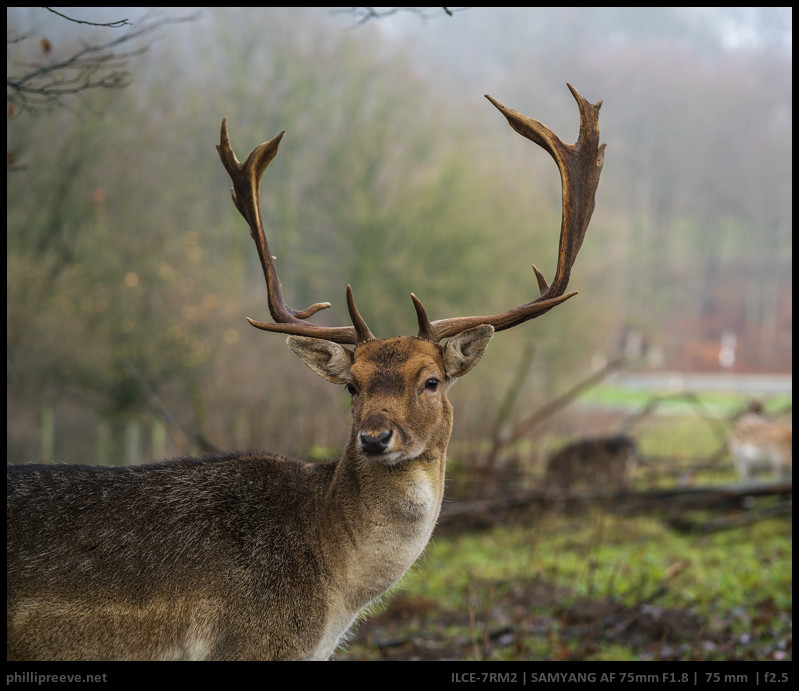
(113, 25)
(365, 14)
(40, 87)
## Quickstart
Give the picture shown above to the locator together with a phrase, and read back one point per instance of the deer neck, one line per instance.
(382, 517)
(376, 519)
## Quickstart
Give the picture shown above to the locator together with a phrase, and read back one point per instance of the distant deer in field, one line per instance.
(253, 555)
(606, 463)
(761, 444)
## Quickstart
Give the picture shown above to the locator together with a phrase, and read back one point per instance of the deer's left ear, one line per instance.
(329, 360)
(462, 352)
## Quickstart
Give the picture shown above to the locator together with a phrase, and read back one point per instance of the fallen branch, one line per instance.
(737, 520)
(492, 511)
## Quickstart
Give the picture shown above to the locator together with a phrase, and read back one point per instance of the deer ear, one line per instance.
(462, 352)
(329, 360)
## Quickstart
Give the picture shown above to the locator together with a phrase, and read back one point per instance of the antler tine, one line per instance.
(425, 328)
(580, 166)
(246, 179)
(361, 329)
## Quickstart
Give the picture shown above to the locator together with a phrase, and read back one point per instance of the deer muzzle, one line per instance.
(376, 435)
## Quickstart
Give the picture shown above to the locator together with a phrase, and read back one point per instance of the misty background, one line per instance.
(129, 271)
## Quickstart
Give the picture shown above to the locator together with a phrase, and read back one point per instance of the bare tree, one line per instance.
(40, 85)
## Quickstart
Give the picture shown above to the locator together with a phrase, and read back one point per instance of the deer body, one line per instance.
(256, 556)
(202, 581)
(761, 444)
(239, 556)
(167, 561)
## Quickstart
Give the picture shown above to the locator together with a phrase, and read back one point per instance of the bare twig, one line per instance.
(525, 426)
(113, 25)
(366, 14)
(715, 425)
(39, 87)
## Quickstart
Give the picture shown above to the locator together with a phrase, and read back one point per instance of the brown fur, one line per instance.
(606, 463)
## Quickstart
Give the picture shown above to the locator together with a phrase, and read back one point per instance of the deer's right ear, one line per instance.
(329, 360)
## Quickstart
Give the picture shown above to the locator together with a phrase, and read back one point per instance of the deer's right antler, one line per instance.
(246, 193)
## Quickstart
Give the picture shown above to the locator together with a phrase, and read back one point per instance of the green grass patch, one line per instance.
(739, 582)
(722, 404)
(610, 556)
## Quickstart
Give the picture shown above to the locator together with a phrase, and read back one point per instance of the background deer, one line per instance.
(606, 463)
(253, 555)
(761, 444)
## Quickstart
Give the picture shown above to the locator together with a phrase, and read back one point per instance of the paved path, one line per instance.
(750, 384)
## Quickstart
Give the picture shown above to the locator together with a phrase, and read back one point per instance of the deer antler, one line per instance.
(580, 166)
(246, 179)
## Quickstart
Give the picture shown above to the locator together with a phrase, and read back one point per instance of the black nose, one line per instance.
(377, 444)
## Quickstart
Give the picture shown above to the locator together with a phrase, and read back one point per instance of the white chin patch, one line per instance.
(395, 457)
(391, 458)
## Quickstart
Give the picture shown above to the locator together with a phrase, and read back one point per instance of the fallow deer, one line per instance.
(253, 555)
(761, 444)
(605, 463)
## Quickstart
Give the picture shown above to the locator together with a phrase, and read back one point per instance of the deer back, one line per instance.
(606, 462)
(191, 558)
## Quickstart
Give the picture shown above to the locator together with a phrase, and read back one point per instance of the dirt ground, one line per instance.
(413, 628)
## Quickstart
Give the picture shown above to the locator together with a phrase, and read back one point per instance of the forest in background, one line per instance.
(129, 272)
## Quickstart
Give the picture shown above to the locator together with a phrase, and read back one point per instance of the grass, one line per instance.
(610, 556)
(722, 404)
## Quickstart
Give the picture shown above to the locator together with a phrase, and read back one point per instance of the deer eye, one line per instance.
(432, 384)
(351, 390)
